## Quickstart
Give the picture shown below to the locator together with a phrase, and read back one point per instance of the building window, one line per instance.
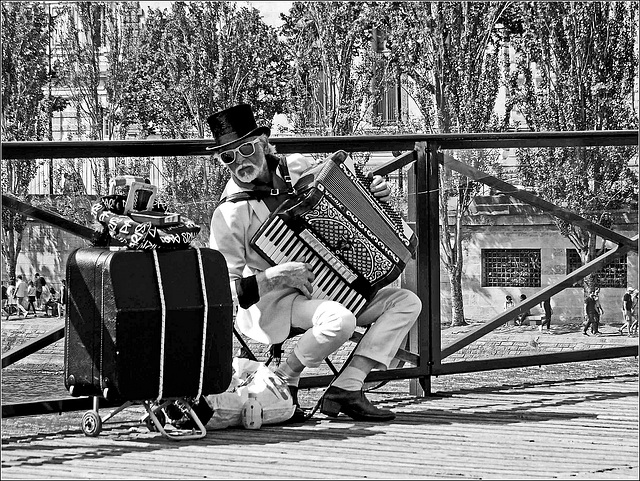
(613, 274)
(387, 110)
(511, 268)
(65, 124)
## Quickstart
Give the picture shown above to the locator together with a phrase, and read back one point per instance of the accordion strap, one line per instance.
(260, 192)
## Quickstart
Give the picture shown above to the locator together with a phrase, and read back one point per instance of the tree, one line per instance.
(24, 108)
(98, 52)
(450, 51)
(197, 58)
(577, 62)
(121, 32)
(333, 66)
(202, 57)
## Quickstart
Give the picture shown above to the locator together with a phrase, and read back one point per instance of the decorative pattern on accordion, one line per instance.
(394, 217)
(346, 241)
(354, 244)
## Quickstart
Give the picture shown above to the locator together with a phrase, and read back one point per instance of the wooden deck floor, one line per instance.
(577, 429)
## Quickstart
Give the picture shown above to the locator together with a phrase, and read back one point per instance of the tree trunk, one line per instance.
(457, 305)
(11, 251)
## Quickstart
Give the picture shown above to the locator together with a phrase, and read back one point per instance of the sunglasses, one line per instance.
(247, 149)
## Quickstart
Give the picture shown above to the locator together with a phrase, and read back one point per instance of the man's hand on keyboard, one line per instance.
(297, 275)
(380, 188)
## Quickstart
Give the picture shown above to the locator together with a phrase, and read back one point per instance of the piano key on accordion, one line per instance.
(354, 245)
(278, 243)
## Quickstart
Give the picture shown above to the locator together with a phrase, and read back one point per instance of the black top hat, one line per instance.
(233, 124)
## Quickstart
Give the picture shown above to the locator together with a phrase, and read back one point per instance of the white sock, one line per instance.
(288, 375)
(351, 379)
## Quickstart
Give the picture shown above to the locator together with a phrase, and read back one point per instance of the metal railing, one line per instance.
(423, 154)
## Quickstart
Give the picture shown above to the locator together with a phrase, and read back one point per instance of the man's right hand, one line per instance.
(290, 274)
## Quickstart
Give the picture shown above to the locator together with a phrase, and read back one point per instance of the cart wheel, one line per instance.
(161, 419)
(91, 423)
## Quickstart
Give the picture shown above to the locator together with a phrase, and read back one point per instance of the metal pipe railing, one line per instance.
(421, 150)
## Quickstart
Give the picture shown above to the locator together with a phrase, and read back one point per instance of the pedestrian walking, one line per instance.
(21, 291)
(595, 328)
(13, 304)
(31, 298)
(546, 306)
(627, 310)
(39, 281)
(590, 312)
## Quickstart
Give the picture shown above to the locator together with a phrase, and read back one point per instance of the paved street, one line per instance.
(569, 421)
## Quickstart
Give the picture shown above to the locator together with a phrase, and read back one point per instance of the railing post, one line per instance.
(410, 278)
(423, 199)
(431, 264)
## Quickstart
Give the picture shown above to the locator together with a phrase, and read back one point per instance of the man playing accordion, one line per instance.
(275, 300)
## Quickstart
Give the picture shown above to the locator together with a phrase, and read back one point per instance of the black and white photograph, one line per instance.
(320, 240)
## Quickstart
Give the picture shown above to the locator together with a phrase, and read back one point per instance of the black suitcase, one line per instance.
(130, 337)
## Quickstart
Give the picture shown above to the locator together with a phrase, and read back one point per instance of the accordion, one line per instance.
(355, 243)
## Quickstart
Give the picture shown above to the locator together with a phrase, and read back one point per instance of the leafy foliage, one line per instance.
(202, 57)
(450, 51)
(587, 62)
(24, 108)
(24, 71)
(332, 66)
(195, 59)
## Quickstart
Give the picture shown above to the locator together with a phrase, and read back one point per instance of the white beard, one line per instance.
(248, 175)
(254, 172)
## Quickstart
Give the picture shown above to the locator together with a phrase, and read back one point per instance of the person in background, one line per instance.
(595, 328)
(522, 317)
(13, 303)
(5, 296)
(546, 306)
(590, 312)
(276, 299)
(634, 313)
(31, 298)
(627, 310)
(49, 300)
(21, 291)
(62, 299)
(38, 281)
(508, 304)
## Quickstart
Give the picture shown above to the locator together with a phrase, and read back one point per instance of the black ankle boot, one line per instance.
(354, 404)
(299, 415)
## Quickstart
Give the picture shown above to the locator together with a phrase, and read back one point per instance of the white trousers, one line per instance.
(328, 325)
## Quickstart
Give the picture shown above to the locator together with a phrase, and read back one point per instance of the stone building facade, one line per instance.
(518, 228)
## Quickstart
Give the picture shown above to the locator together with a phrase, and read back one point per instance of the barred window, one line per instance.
(613, 274)
(511, 268)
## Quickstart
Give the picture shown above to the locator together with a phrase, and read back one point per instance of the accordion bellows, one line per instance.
(355, 243)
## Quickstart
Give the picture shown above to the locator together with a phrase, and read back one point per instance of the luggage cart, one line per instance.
(155, 418)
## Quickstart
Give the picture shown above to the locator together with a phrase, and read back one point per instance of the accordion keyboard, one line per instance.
(279, 244)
